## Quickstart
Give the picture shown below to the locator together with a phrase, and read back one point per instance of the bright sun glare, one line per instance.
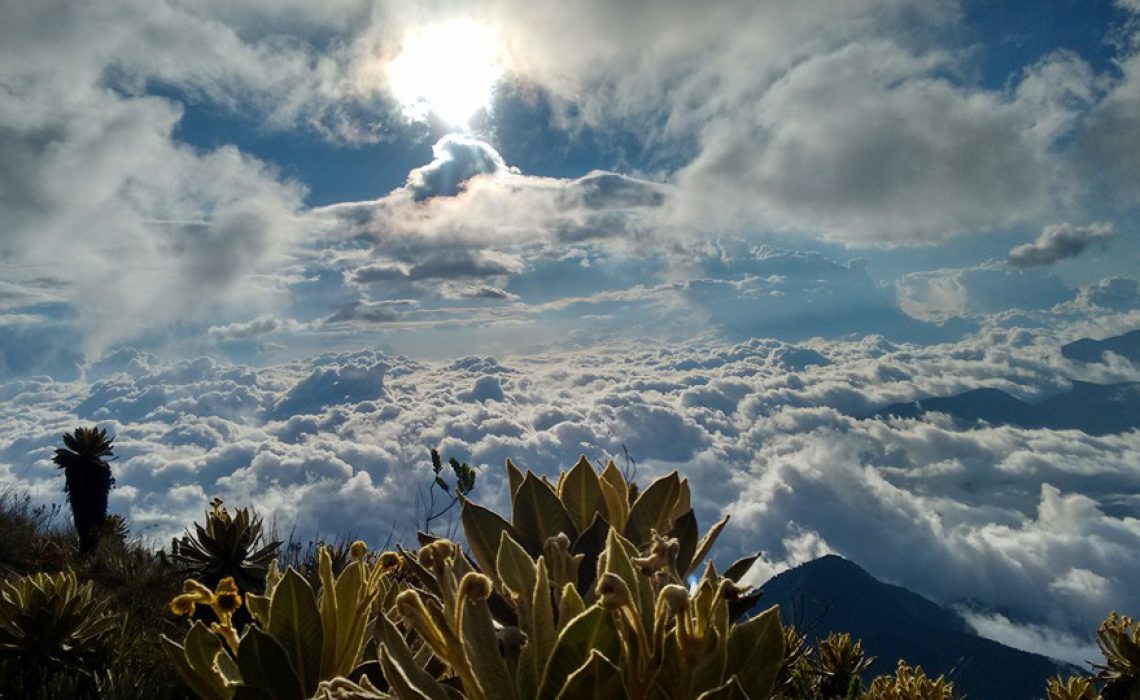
(448, 69)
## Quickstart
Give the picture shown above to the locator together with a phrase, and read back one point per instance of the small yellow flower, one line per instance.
(389, 560)
(225, 600)
(183, 605)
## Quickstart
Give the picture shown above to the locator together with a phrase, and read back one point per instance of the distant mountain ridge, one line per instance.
(832, 594)
(1097, 409)
(1089, 350)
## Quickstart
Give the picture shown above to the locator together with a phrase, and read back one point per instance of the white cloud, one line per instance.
(1028, 522)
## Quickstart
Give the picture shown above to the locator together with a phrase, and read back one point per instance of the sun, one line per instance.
(448, 69)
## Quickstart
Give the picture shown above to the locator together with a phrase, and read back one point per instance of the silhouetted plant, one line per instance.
(86, 469)
(464, 484)
(228, 546)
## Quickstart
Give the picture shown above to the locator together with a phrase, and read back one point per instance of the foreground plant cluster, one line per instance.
(588, 590)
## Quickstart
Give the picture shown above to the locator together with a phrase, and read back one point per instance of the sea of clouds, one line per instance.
(1033, 534)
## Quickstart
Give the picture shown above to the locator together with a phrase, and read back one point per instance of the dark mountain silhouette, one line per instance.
(832, 594)
(1089, 350)
(1097, 409)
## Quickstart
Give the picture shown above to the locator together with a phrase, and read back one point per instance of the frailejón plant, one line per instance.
(88, 480)
(228, 546)
(50, 625)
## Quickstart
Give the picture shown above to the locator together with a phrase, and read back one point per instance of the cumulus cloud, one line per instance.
(1034, 524)
(468, 196)
(1115, 293)
(1060, 242)
(456, 160)
(983, 289)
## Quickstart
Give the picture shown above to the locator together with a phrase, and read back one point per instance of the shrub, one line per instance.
(52, 627)
(228, 546)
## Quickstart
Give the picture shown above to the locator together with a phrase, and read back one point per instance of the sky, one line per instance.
(280, 249)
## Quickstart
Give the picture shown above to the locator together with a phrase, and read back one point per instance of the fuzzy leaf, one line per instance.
(482, 648)
(598, 678)
(205, 687)
(616, 493)
(295, 623)
(593, 630)
(731, 690)
(542, 632)
(740, 567)
(755, 652)
(484, 528)
(538, 514)
(514, 480)
(653, 509)
(581, 493)
(570, 605)
(265, 667)
(705, 545)
(392, 645)
(397, 677)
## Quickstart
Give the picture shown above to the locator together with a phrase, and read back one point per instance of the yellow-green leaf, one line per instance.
(538, 514)
(613, 476)
(397, 677)
(731, 690)
(755, 652)
(593, 630)
(653, 509)
(482, 648)
(205, 686)
(265, 666)
(597, 678)
(705, 545)
(570, 605)
(393, 645)
(542, 632)
(353, 600)
(516, 570)
(327, 602)
(581, 493)
(514, 480)
(295, 623)
(484, 529)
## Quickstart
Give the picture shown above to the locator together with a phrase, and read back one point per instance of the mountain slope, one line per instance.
(832, 594)
(1089, 350)
(1097, 409)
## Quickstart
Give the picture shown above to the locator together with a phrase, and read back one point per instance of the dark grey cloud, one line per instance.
(243, 331)
(1060, 242)
(458, 263)
(488, 292)
(370, 312)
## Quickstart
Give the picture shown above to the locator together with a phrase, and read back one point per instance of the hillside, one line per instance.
(1097, 409)
(1089, 350)
(832, 594)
